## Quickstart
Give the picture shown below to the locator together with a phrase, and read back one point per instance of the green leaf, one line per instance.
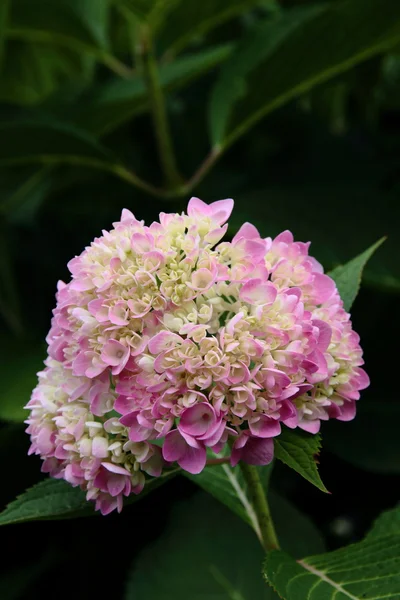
(30, 73)
(204, 552)
(314, 44)
(94, 14)
(50, 142)
(22, 192)
(228, 486)
(49, 499)
(298, 450)
(151, 12)
(352, 441)
(191, 20)
(116, 102)
(348, 276)
(46, 140)
(207, 552)
(366, 570)
(57, 499)
(4, 9)
(18, 371)
(296, 532)
(62, 24)
(388, 523)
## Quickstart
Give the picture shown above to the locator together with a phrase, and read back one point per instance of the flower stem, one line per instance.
(218, 461)
(260, 504)
(159, 113)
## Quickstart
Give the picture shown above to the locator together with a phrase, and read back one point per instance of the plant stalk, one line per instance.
(260, 504)
(159, 114)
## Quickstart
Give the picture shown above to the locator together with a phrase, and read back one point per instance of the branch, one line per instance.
(260, 504)
(159, 114)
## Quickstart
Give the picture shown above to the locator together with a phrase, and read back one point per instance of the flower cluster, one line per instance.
(167, 343)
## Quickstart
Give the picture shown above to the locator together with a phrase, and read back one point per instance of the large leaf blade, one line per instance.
(23, 191)
(190, 20)
(30, 74)
(348, 277)
(29, 139)
(50, 498)
(367, 569)
(57, 499)
(95, 15)
(4, 8)
(183, 563)
(48, 141)
(314, 45)
(74, 25)
(388, 523)
(330, 576)
(117, 101)
(177, 23)
(150, 12)
(228, 486)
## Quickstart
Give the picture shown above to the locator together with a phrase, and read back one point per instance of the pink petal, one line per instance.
(124, 405)
(174, 446)
(325, 334)
(106, 504)
(197, 419)
(221, 210)
(286, 237)
(163, 341)
(118, 314)
(115, 468)
(310, 426)
(265, 427)
(323, 287)
(256, 292)
(247, 231)
(141, 243)
(362, 380)
(127, 215)
(287, 411)
(213, 437)
(347, 411)
(256, 451)
(137, 433)
(198, 208)
(194, 460)
(115, 485)
(114, 353)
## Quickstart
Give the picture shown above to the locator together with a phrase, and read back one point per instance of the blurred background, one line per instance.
(293, 109)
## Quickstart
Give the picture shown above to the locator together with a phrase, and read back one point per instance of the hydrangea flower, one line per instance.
(168, 342)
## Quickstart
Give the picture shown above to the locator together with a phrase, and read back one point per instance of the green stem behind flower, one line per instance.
(159, 114)
(260, 504)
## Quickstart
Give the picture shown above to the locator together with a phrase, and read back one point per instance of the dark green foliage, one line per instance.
(367, 570)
